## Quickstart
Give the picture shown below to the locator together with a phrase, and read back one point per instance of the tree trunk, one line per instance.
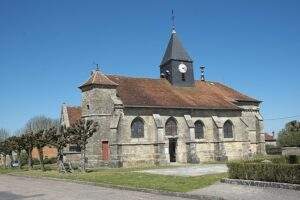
(19, 158)
(41, 156)
(11, 160)
(60, 161)
(29, 154)
(4, 161)
(83, 160)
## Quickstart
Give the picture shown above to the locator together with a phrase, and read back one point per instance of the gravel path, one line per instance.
(193, 170)
(242, 192)
(20, 188)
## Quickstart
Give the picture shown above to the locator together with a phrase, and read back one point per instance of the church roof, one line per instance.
(74, 114)
(98, 78)
(145, 92)
(175, 50)
(269, 137)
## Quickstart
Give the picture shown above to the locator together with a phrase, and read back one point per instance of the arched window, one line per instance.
(199, 129)
(228, 129)
(137, 128)
(171, 127)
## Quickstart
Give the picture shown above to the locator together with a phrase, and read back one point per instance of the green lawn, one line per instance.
(131, 178)
(7, 170)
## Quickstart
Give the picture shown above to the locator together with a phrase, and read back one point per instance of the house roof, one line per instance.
(98, 78)
(74, 113)
(175, 50)
(146, 92)
(269, 137)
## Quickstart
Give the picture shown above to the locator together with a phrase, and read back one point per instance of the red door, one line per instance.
(105, 150)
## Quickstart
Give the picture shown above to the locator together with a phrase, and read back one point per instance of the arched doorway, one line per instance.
(171, 130)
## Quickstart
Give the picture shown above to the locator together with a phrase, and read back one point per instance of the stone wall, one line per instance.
(103, 106)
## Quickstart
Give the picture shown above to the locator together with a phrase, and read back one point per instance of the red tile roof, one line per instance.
(146, 92)
(97, 78)
(74, 114)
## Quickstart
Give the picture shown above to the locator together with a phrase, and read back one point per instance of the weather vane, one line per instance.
(97, 66)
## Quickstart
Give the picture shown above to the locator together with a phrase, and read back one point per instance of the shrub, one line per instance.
(272, 172)
(35, 161)
(292, 159)
(273, 150)
(23, 158)
(272, 158)
(50, 160)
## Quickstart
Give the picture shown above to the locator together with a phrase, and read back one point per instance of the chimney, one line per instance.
(202, 67)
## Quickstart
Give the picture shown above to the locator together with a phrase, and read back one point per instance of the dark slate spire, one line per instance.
(176, 65)
(175, 50)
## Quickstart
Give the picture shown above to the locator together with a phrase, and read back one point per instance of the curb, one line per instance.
(288, 186)
(145, 190)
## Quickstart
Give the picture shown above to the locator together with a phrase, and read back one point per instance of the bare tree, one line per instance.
(80, 132)
(4, 134)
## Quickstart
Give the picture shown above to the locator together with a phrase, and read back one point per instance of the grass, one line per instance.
(131, 178)
(7, 170)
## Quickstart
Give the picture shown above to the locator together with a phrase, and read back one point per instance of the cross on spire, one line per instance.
(202, 68)
(173, 22)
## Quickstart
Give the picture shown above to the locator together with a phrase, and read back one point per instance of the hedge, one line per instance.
(271, 172)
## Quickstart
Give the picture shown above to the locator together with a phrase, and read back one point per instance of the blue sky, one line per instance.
(47, 49)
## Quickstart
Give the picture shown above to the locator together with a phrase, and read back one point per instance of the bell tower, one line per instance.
(176, 65)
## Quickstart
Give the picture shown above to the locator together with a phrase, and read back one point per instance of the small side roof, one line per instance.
(74, 113)
(98, 78)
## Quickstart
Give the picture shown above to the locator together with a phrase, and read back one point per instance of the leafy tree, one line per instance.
(16, 144)
(41, 127)
(59, 139)
(80, 132)
(40, 141)
(290, 135)
(4, 148)
(4, 151)
(28, 140)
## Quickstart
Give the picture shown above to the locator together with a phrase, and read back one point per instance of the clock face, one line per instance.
(182, 68)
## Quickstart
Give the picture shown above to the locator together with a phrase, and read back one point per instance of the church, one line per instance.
(174, 118)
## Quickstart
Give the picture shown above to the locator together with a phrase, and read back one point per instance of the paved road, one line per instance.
(242, 192)
(19, 188)
(192, 170)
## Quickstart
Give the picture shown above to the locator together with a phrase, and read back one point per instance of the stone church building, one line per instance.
(174, 118)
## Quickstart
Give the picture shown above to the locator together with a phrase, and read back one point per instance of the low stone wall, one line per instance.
(73, 158)
(291, 151)
(261, 183)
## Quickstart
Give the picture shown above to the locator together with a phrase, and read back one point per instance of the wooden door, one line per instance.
(105, 150)
(172, 149)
